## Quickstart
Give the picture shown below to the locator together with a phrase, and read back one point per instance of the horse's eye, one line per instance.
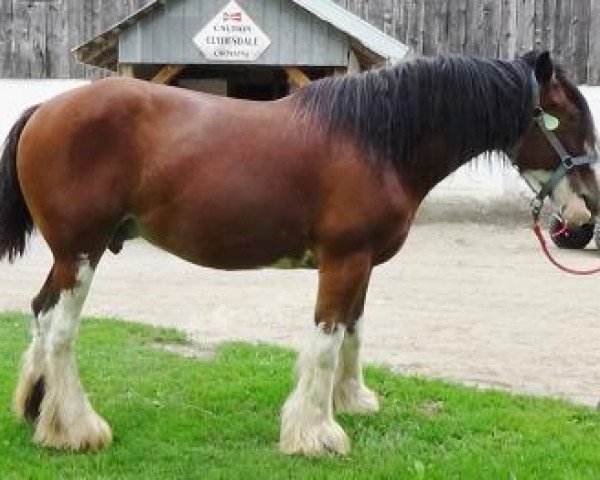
(571, 117)
(577, 118)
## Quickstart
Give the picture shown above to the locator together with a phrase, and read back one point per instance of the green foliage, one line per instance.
(178, 418)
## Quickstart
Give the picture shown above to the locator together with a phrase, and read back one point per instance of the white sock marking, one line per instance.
(350, 393)
(307, 424)
(67, 420)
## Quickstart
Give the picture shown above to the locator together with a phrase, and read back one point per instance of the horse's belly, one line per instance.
(233, 257)
(225, 246)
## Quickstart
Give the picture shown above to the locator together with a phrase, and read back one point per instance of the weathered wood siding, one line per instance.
(494, 28)
(36, 35)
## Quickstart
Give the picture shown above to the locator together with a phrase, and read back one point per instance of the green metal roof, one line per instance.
(366, 34)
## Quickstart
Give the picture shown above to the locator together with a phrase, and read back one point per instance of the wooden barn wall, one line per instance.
(36, 35)
(493, 28)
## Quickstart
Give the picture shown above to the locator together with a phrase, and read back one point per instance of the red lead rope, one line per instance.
(537, 229)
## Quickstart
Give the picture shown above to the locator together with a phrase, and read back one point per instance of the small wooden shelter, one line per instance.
(252, 49)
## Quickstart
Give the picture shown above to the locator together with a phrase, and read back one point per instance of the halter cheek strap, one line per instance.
(567, 162)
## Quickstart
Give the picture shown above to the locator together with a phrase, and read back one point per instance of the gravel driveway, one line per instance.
(468, 302)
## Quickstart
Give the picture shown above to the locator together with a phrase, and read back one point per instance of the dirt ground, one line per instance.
(470, 302)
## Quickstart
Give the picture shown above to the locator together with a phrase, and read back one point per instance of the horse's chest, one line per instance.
(392, 230)
(390, 245)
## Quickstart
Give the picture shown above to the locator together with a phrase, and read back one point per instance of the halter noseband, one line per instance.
(567, 162)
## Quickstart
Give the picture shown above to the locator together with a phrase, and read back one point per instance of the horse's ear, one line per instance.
(544, 69)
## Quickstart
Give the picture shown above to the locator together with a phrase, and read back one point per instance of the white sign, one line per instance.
(232, 36)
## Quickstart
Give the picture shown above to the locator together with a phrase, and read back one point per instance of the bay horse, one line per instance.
(339, 167)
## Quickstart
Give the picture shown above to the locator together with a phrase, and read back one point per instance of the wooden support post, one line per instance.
(126, 70)
(593, 66)
(353, 63)
(166, 74)
(296, 77)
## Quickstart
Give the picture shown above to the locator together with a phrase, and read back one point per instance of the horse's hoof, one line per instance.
(352, 397)
(314, 440)
(90, 432)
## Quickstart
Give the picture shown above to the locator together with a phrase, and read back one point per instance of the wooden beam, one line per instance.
(126, 70)
(296, 77)
(100, 50)
(166, 74)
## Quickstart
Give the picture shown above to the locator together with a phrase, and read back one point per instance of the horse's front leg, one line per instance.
(307, 424)
(350, 394)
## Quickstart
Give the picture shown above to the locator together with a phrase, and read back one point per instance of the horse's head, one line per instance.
(556, 153)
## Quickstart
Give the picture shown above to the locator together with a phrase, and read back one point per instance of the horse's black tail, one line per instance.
(16, 223)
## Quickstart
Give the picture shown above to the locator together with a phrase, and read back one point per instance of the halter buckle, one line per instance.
(568, 163)
(536, 207)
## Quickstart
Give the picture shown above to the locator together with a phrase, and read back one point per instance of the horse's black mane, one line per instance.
(475, 104)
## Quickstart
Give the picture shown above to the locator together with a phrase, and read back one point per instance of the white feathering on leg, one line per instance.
(350, 394)
(307, 423)
(33, 364)
(67, 420)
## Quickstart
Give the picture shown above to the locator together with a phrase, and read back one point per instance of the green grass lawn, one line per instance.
(177, 418)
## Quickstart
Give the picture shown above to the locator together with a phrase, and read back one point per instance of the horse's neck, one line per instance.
(428, 117)
(437, 158)
(484, 105)
(446, 144)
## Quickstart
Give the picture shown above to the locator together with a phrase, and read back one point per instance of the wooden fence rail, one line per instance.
(36, 35)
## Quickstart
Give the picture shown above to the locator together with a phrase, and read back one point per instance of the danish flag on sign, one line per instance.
(233, 17)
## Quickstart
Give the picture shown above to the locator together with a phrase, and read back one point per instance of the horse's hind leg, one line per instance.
(350, 394)
(30, 389)
(66, 419)
(307, 423)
